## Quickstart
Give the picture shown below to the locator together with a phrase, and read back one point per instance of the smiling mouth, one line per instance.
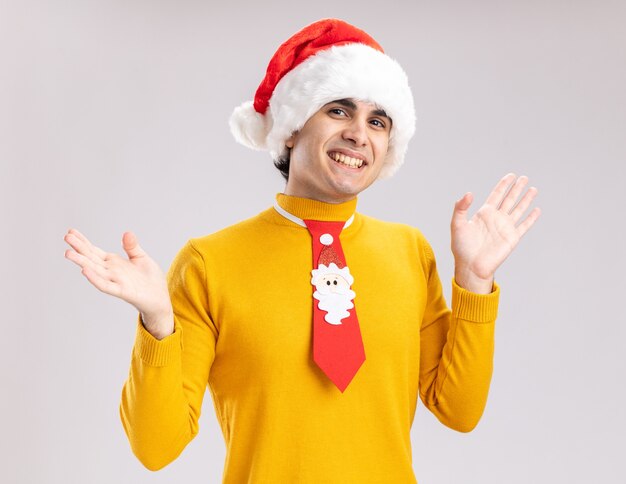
(346, 160)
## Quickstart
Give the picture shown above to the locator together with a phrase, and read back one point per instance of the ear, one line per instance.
(290, 141)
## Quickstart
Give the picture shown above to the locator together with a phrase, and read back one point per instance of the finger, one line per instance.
(459, 215)
(85, 250)
(131, 245)
(80, 244)
(96, 250)
(78, 259)
(511, 197)
(84, 262)
(528, 221)
(78, 234)
(495, 197)
(101, 283)
(523, 204)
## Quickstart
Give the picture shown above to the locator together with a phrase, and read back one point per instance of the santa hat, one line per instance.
(326, 61)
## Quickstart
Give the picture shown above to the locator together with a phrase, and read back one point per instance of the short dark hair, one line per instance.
(282, 163)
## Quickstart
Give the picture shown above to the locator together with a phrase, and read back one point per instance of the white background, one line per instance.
(113, 117)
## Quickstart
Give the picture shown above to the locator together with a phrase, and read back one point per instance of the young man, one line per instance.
(315, 327)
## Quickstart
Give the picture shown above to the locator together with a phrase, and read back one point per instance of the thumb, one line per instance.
(461, 207)
(131, 246)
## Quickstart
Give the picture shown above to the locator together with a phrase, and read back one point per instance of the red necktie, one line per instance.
(337, 343)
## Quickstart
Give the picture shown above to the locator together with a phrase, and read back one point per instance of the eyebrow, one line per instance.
(350, 104)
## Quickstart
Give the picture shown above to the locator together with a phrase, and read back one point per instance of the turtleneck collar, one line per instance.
(308, 209)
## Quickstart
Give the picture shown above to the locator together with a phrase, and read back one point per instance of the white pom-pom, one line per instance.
(249, 127)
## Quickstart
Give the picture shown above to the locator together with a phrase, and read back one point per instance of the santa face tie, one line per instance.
(337, 343)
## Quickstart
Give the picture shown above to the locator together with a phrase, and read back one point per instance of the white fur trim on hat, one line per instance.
(248, 126)
(348, 71)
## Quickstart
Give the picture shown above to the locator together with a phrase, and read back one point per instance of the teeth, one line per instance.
(347, 160)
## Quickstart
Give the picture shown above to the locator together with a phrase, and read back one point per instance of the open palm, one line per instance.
(482, 243)
(137, 280)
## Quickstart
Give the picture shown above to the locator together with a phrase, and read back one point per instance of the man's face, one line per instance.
(339, 152)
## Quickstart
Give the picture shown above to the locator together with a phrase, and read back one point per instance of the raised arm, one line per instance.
(457, 345)
(174, 344)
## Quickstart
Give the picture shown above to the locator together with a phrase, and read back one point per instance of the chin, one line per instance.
(344, 190)
(348, 182)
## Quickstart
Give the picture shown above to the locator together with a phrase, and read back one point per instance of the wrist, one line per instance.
(159, 325)
(468, 280)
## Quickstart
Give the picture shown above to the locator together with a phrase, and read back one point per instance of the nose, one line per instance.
(356, 131)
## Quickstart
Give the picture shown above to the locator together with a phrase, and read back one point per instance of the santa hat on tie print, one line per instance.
(325, 61)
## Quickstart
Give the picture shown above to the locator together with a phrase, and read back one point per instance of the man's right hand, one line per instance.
(138, 280)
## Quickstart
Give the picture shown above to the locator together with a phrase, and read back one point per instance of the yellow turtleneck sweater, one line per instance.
(242, 300)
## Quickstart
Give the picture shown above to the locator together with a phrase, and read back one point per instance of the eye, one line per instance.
(335, 283)
(378, 123)
(328, 283)
(337, 111)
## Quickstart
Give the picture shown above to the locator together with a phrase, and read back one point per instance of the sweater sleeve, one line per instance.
(456, 352)
(162, 397)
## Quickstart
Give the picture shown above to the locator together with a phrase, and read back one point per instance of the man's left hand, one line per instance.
(482, 243)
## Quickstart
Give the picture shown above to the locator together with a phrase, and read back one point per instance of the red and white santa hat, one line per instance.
(325, 61)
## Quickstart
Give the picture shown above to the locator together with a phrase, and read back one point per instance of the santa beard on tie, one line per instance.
(333, 292)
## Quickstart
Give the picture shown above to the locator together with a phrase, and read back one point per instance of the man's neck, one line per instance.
(319, 197)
